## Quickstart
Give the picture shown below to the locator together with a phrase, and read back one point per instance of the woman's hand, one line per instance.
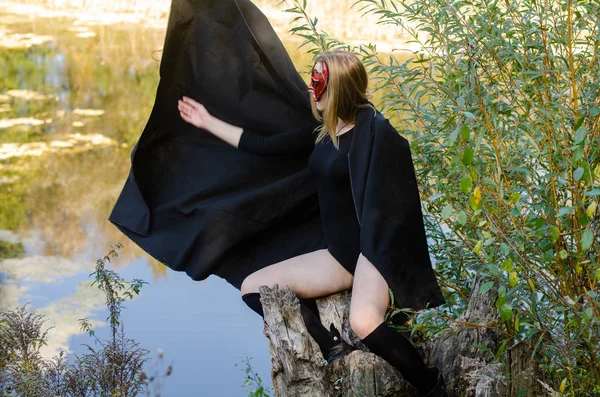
(197, 115)
(194, 113)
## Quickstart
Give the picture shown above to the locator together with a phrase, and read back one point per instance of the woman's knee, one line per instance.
(363, 321)
(267, 276)
(250, 284)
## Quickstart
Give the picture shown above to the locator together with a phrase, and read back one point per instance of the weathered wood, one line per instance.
(454, 351)
(298, 367)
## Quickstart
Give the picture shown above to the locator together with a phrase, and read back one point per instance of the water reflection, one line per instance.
(26, 277)
(74, 97)
(76, 90)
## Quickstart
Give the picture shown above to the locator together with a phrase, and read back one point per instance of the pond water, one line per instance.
(74, 97)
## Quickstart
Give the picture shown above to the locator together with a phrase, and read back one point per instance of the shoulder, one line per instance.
(382, 129)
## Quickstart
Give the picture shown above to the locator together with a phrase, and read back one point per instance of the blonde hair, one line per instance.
(346, 92)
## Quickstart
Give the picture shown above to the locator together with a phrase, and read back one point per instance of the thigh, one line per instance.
(310, 275)
(370, 295)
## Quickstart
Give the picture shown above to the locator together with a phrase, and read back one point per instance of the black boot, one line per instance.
(402, 355)
(340, 348)
(330, 343)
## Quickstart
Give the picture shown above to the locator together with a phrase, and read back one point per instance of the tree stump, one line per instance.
(299, 369)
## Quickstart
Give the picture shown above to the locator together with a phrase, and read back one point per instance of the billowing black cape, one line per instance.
(201, 206)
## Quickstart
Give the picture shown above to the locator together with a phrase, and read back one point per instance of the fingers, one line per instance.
(186, 118)
(191, 102)
(186, 111)
(182, 106)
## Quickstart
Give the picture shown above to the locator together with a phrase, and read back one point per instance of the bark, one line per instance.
(461, 352)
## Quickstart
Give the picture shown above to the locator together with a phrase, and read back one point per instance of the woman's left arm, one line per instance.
(249, 141)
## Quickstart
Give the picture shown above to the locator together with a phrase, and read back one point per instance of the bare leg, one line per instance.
(311, 275)
(370, 298)
(367, 312)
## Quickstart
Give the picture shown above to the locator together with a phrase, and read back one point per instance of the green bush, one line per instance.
(502, 109)
(111, 368)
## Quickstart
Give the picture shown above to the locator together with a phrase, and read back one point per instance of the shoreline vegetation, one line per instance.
(339, 20)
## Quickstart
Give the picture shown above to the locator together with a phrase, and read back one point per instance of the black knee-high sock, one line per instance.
(402, 355)
(253, 301)
(310, 314)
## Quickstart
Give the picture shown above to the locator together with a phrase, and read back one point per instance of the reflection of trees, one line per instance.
(12, 210)
(69, 200)
(335, 16)
(63, 313)
(115, 71)
(62, 198)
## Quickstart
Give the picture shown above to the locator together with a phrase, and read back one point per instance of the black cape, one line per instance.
(201, 206)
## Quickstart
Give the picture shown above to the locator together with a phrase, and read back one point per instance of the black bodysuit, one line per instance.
(338, 214)
(329, 166)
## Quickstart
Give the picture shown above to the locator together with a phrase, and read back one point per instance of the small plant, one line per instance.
(253, 380)
(112, 368)
(116, 289)
(22, 334)
(155, 381)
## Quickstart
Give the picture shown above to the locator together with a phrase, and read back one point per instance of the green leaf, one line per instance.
(563, 254)
(506, 311)
(500, 302)
(467, 157)
(578, 173)
(593, 192)
(587, 314)
(595, 111)
(580, 134)
(470, 115)
(478, 247)
(466, 184)
(554, 232)
(462, 217)
(565, 210)
(447, 211)
(465, 133)
(489, 241)
(502, 293)
(579, 122)
(486, 287)
(453, 137)
(513, 279)
(587, 239)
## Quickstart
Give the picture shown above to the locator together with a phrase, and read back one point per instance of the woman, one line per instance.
(374, 232)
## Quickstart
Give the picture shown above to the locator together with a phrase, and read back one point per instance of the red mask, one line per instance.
(318, 82)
